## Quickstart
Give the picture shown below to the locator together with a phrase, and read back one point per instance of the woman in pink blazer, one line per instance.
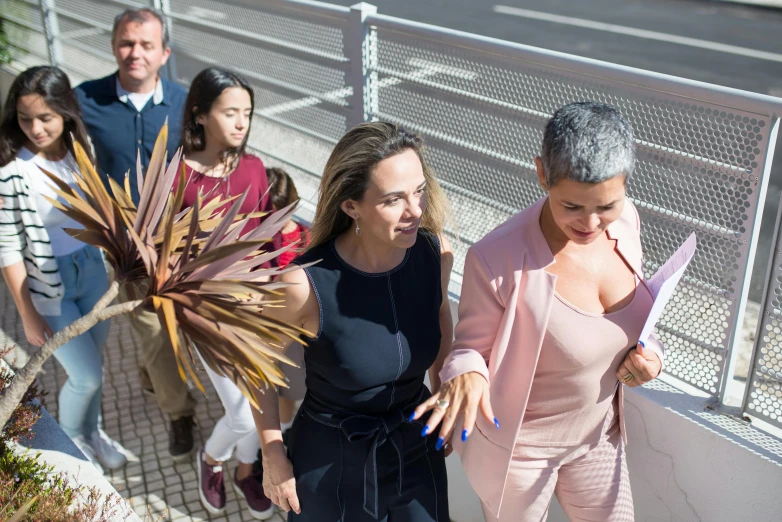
(552, 305)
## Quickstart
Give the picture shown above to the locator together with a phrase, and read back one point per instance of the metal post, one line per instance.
(165, 7)
(52, 28)
(767, 307)
(362, 52)
(729, 370)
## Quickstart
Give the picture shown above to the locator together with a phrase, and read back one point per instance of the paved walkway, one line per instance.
(153, 482)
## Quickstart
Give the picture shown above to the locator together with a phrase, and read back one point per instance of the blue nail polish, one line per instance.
(496, 423)
(439, 444)
(642, 344)
(425, 431)
(464, 435)
(412, 416)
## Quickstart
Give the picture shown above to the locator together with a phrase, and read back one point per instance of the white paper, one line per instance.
(663, 283)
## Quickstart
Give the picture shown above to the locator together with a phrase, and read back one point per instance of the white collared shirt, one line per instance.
(139, 100)
(52, 218)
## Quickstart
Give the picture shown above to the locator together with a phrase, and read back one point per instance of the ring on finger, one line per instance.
(627, 378)
(443, 403)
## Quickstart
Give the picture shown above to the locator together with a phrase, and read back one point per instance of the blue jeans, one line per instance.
(84, 278)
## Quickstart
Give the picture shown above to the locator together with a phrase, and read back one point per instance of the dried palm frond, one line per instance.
(206, 277)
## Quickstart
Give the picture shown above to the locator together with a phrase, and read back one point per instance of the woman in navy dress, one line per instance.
(376, 303)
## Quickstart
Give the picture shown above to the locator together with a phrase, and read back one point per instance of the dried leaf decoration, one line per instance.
(205, 280)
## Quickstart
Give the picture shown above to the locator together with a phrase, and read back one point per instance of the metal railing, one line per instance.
(704, 156)
(763, 394)
(704, 152)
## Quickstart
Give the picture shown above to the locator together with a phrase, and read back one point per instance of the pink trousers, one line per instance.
(591, 482)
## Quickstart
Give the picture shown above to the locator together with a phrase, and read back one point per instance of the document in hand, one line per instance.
(663, 283)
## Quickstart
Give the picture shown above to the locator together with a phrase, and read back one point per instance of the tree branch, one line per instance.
(11, 396)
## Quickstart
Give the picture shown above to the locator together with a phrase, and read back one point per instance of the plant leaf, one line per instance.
(228, 219)
(19, 515)
(225, 255)
(147, 184)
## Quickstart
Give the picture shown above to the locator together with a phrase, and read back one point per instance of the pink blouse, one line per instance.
(575, 379)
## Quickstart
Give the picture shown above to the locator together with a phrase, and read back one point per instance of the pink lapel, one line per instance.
(628, 242)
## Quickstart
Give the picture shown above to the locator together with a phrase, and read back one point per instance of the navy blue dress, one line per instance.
(355, 455)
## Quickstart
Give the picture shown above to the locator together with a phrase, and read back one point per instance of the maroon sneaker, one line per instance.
(211, 488)
(251, 490)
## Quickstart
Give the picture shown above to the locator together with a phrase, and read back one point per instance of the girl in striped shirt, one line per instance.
(54, 278)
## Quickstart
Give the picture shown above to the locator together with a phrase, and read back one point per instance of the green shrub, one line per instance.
(24, 478)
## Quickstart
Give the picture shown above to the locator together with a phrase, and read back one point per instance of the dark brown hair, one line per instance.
(207, 86)
(51, 84)
(282, 190)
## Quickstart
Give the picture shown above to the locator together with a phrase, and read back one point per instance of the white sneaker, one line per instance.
(110, 453)
(86, 449)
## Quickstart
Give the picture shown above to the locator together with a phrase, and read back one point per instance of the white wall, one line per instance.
(686, 464)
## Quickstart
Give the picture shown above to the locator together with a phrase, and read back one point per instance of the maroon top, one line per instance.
(249, 175)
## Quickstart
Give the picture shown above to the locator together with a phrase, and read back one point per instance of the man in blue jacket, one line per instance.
(124, 113)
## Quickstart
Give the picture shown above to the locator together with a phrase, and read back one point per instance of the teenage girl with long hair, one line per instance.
(218, 113)
(54, 279)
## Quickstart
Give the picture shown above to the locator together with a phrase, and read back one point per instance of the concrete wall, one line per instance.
(686, 464)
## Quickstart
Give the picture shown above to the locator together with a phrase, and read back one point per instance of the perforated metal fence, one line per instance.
(317, 69)
(73, 34)
(702, 154)
(85, 35)
(763, 398)
(296, 57)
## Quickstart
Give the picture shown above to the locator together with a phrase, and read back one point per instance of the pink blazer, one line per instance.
(503, 312)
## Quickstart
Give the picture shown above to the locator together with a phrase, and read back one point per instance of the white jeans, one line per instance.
(236, 429)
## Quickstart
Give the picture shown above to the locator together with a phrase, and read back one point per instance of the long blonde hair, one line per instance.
(347, 173)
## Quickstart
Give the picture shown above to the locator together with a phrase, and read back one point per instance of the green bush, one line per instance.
(24, 478)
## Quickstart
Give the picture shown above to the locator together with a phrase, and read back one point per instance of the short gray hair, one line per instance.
(587, 142)
(139, 16)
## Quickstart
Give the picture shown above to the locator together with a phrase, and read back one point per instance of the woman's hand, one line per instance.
(463, 394)
(279, 485)
(639, 367)
(36, 329)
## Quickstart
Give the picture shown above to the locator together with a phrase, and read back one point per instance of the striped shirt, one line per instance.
(23, 236)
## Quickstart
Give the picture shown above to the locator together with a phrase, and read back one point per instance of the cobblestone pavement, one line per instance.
(155, 485)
